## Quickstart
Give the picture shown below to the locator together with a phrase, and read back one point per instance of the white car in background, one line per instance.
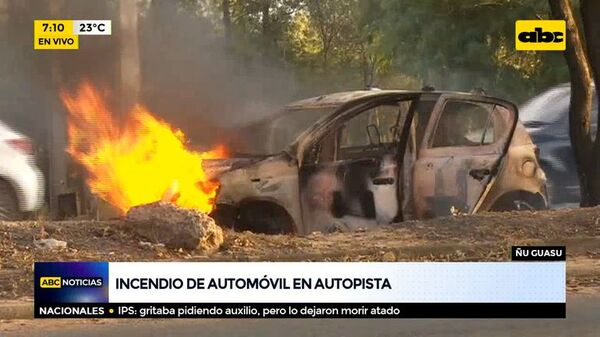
(21, 182)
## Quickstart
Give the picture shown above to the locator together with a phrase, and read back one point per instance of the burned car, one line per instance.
(363, 158)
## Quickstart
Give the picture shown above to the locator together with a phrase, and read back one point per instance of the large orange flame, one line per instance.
(137, 159)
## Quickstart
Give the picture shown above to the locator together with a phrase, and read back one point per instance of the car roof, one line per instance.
(336, 99)
(329, 102)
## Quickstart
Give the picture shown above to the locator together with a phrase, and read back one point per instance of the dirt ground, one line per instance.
(485, 237)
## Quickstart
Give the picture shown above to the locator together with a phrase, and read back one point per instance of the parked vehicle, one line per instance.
(546, 117)
(374, 157)
(21, 182)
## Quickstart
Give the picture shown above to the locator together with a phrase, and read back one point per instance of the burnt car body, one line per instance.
(376, 157)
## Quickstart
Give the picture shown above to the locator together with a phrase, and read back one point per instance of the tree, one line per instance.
(590, 13)
(341, 44)
(129, 56)
(226, 19)
(459, 45)
(580, 111)
(337, 38)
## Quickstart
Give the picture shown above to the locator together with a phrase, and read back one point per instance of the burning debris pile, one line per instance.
(137, 159)
(142, 166)
(175, 227)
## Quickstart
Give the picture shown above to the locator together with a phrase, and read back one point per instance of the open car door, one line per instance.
(464, 143)
(351, 170)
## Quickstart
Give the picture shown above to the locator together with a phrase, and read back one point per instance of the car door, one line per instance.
(351, 172)
(464, 143)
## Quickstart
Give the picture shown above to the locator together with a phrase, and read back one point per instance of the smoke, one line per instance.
(31, 79)
(193, 78)
(189, 75)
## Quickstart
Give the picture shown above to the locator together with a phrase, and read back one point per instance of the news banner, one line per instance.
(531, 285)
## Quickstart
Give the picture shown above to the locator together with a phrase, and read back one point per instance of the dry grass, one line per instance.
(486, 237)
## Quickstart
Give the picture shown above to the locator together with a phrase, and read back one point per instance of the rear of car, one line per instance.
(21, 182)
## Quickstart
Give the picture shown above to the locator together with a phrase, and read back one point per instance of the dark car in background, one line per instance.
(546, 117)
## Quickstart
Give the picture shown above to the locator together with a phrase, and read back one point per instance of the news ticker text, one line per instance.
(301, 310)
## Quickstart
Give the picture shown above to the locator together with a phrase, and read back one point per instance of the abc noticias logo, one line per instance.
(59, 282)
(540, 35)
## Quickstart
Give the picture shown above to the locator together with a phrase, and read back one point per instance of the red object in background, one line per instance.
(23, 145)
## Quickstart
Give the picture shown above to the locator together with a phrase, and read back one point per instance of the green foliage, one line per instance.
(348, 44)
(459, 45)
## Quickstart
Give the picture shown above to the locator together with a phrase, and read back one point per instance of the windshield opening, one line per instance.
(275, 135)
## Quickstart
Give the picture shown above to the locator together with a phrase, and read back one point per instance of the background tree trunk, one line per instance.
(266, 28)
(590, 13)
(129, 55)
(58, 170)
(226, 19)
(580, 111)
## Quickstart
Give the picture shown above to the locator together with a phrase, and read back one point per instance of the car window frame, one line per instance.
(499, 146)
(372, 149)
(343, 113)
(489, 122)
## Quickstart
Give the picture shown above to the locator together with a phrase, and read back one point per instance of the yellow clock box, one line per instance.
(54, 34)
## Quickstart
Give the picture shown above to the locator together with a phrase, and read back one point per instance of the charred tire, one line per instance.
(225, 216)
(9, 204)
(519, 201)
(264, 217)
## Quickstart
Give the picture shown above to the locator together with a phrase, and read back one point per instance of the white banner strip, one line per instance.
(326, 282)
(92, 27)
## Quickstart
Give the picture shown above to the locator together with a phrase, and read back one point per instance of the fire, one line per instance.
(137, 159)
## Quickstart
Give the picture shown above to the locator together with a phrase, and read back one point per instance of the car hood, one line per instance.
(215, 167)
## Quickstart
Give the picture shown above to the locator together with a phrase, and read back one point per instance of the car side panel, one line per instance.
(274, 179)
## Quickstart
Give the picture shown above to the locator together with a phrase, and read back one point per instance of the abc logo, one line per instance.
(540, 35)
(50, 282)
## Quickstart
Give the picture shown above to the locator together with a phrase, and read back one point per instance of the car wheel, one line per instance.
(519, 201)
(264, 218)
(522, 205)
(9, 205)
(225, 216)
